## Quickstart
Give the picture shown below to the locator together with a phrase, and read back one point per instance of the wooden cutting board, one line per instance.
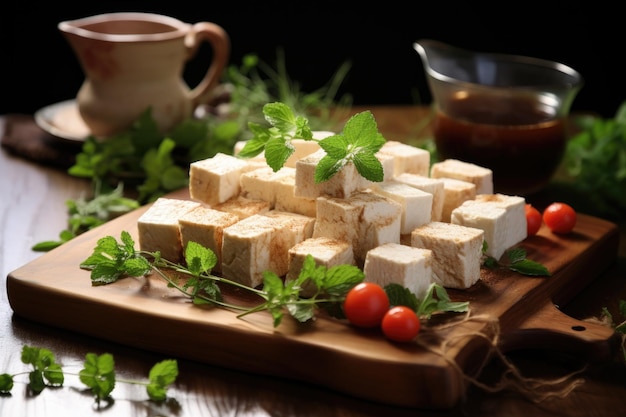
(144, 313)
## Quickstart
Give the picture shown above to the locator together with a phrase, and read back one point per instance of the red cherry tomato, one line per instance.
(400, 324)
(560, 217)
(366, 304)
(533, 220)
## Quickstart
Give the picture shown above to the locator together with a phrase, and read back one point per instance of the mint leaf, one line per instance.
(98, 374)
(358, 144)
(161, 376)
(528, 267)
(515, 260)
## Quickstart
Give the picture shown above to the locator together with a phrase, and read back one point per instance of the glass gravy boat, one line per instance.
(503, 112)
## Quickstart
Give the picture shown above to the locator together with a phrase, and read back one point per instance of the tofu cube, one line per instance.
(456, 250)
(502, 217)
(286, 199)
(205, 226)
(340, 185)
(215, 180)
(159, 230)
(433, 186)
(247, 250)
(325, 251)
(416, 204)
(465, 171)
(365, 219)
(260, 183)
(455, 193)
(261, 243)
(407, 158)
(243, 207)
(405, 265)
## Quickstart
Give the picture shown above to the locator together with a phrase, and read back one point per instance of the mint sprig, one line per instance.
(515, 260)
(98, 374)
(358, 143)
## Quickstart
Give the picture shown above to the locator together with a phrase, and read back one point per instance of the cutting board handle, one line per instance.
(550, 328)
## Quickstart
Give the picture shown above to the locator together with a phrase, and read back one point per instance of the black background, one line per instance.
(38, 68)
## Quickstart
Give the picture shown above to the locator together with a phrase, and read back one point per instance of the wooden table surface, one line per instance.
(32, 209)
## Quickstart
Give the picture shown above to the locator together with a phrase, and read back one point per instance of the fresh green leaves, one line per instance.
(358, 144)
(161, 376)
(110, 260)
(595, 164)
(45, 369)
(276, 139)
(98, 374)
(85, 214)
(436, 299)
(515, 260)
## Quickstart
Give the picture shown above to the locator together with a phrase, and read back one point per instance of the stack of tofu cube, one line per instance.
(421, 224)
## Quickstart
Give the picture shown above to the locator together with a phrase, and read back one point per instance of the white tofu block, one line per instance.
(408, 266)
(247, 250)
(260, 183)
(388, 163)
(430, 185)
(261, 243)
(243, 207)
(416, 204)
(291, 229)
(465, 171)
(340, 185)
(455, 193)
(205, 226)
(365, 219)
(158, 227)
(215, 180)
(407, 158)
(325, 251)
(502, 217)
(456, 250)
(286, 199)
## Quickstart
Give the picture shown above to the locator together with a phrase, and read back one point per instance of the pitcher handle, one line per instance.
(220, 43)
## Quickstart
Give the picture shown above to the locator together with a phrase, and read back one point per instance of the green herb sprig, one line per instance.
(593, 170)
(98, 374)
(358, 143)
(515, 260)
(112, 260)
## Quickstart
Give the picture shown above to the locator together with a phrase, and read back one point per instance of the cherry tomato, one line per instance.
(366, 304)
(533, 220)
(400, 324)
(559, 217)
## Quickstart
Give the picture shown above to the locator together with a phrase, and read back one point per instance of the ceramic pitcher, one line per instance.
(135, 61)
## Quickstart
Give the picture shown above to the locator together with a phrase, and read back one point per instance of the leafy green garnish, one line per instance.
(435, 300)
(98, 374)
(515, 260)
(85, 214)
(358, 143)
(112, 260)
(595, 164)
